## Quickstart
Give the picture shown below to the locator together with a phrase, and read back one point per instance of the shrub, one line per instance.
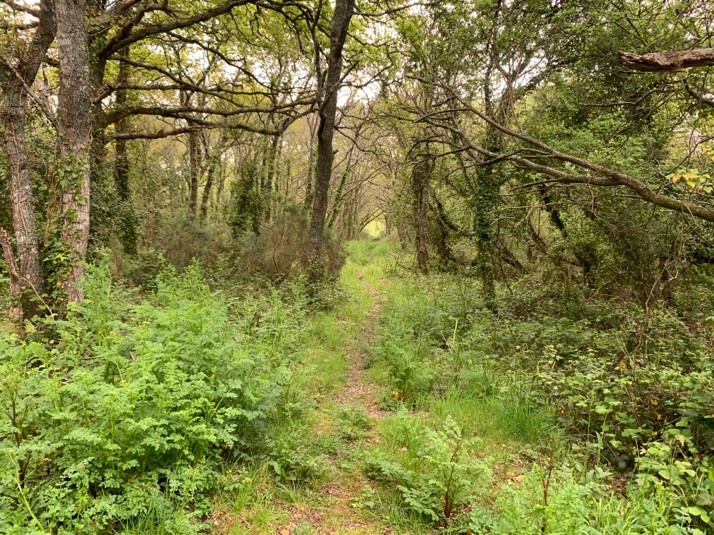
(625, 407)
(278, 251)
(294, 459)
(437, 475)
(664, 470)
(128, 412)
(182, 239)
(352, 423)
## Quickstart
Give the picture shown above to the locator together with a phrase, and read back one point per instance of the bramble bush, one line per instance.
(627, 407)
(123, 416)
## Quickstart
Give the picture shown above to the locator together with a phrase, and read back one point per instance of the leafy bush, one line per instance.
(567, 499)
(542, 503)
(626, 407)
(182, 239)
(352, 423)
(294, 459)
(664, 470)
(129, 410)
(437, 475)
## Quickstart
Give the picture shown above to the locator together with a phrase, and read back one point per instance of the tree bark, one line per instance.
(194, 170)
(670, 61)
(128, 232)
(22, 75)
(22, 200)
(75, 138)
(269, 177)
(15, 285)
(487, 197)
(311, 161)
(214, 169)
(325, 155)
(420, 179)
(339, 197)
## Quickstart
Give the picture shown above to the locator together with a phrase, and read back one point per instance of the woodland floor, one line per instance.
(342, 385)
(346, 425)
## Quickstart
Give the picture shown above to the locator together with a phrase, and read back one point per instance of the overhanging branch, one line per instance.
(670, 61)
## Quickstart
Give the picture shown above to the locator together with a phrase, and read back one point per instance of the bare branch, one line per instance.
(667, 61)
(42, 104)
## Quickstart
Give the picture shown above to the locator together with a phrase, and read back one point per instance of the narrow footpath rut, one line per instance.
(360, 390)
(359, 395)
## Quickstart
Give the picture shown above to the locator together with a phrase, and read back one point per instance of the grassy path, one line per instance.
(360, 390)
(341, 425)
(455, 429)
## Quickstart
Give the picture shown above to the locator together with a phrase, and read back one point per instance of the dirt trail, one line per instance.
(359, 392)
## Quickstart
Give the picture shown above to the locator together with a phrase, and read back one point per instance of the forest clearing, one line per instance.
(325, 267)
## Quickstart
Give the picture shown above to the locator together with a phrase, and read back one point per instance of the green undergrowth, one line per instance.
(535, 423)
(130, 414)
(182, 410)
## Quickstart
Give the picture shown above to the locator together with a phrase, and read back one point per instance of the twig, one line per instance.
(15, 286)
(546, 486)
(43, 106)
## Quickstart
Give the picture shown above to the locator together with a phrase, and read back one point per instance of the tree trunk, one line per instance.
(269, 177)
(21, 198)
(486, 201)
(206, 196)
(311, 161)
(15, 285)
(325, 155)
(339, 197)
(103, 198)
(214, 169)
(30, 277)
(194, 170)
(421, 174)
(128, 231)
(487, 190)
(75, 138)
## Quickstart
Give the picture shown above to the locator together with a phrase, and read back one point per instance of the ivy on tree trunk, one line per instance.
(75, 139)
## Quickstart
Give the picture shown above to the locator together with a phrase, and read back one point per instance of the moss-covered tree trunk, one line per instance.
(14, 101)
(194, 169)
(270, 170)
(487, 198)
(74, 124)
(420, 178)
(128, 231)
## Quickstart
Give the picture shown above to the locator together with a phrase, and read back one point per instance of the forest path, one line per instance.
(360, 390)
(351, 413)
(342, 425)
